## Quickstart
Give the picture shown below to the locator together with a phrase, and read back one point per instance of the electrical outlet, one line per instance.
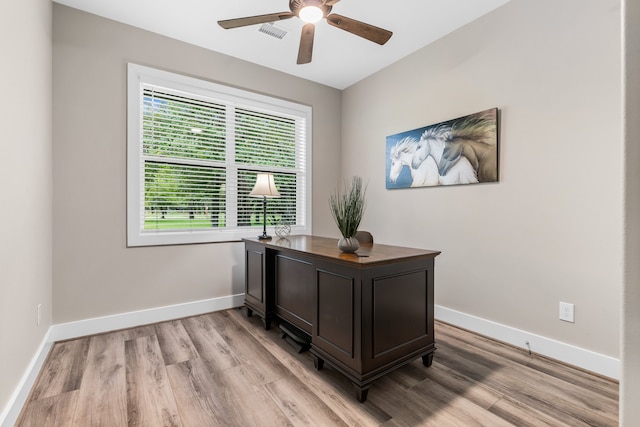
(39, 314)
(566, 312)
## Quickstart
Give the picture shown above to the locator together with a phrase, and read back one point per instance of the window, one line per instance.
(194, 149)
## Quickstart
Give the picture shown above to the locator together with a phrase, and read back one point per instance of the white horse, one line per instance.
(431, 145)
(402, 154)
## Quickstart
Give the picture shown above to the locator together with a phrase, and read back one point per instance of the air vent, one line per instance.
(272, 30)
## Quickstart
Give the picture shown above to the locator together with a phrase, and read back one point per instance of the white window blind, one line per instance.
(194, 149)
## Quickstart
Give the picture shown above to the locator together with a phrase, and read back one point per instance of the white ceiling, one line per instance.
(340, 59)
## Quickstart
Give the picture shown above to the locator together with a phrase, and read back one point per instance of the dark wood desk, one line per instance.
(365, 314)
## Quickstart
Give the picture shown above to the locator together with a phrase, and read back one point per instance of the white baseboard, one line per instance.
(64, 331)
(12, 410)
(96, 325)
(567, 353)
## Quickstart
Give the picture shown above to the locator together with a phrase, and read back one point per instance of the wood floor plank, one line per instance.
(54, 411)
(488, 398)
(542, 392)
(150, 400)
(406, 408)
(541, 364)
(442, 398)
(473, 391)
(302, 406)
(524, 415)
(598, 385)
(64, 368)
(395, 423)
(137, 332)
(264, 365)
(411, 374)
(174, 342)
(445, 331)
(455, 407)
(252, 405)
(200, 401)
(558, 388)
(102, 400)
(211, 347)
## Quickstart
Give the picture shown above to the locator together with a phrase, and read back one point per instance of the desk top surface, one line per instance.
(368, 254)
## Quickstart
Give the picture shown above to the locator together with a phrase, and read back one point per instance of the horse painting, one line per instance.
(459, 151)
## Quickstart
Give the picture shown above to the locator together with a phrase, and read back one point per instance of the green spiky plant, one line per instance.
(347, 206)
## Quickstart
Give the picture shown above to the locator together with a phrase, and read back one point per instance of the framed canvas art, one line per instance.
(457, 151)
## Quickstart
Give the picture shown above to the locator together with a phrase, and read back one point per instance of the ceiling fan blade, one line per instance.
(367, 31)
(252, 20)
(306, 44)
(331, 2)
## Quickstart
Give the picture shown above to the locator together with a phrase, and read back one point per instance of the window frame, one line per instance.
(137, 76)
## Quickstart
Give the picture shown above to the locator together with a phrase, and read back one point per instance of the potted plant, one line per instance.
(347, 207)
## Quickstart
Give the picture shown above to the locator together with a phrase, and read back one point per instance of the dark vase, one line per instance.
(348, 244)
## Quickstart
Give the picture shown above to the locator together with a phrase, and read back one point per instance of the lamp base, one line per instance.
(264, 235)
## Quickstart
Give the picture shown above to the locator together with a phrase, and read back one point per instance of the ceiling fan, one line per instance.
(312, 11)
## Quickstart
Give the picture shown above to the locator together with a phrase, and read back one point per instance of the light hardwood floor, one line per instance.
(224, 369)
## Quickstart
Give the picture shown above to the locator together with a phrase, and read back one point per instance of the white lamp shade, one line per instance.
(265, 186)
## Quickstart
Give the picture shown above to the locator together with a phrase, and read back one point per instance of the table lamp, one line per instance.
(265, 187)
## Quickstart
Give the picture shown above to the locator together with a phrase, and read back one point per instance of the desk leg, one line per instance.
(361, 392)
(317, 362)
(249, 312)
(427, 359)
(267, 323)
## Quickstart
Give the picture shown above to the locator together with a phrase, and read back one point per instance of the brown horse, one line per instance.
(482, 157)
(475, 139)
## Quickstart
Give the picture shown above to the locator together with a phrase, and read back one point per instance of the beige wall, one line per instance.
(94, 273)
(630, 353)
(25, 193)
(551, 230)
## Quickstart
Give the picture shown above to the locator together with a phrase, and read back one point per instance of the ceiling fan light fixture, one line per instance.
(311, 14)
